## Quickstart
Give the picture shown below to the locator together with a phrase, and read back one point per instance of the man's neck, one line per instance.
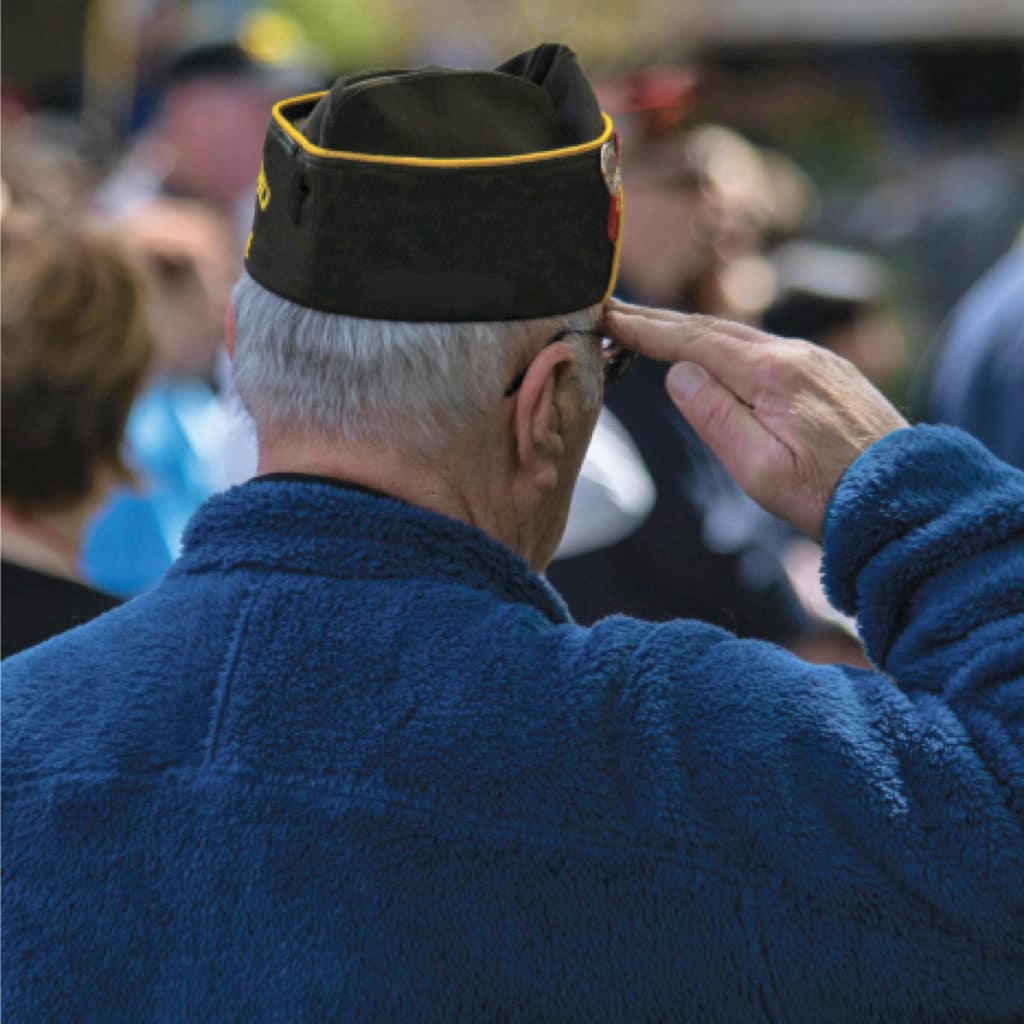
(439, 486)
(474, 483)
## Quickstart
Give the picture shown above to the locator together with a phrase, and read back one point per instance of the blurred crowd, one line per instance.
(119, 259)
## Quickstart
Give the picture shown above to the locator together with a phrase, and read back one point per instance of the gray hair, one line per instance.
(376, 381)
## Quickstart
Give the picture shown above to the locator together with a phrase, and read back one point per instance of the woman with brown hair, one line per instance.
(76, 346)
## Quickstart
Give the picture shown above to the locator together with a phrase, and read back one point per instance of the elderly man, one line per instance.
(352, 760)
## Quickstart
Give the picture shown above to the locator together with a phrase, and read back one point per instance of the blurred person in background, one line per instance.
(188, 251)
(42, 172)
(977, 373)
(185, 439)
(205, 139)
(77, 345)
(352, 757)
(839, 298)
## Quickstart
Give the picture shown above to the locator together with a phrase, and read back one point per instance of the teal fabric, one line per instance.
(351, 760)
(172, 439)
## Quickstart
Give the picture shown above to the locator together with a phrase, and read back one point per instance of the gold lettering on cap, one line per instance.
(262, 189)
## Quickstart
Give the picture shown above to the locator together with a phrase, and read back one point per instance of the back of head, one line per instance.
(76, 345)
(401, 384)
(413, 230)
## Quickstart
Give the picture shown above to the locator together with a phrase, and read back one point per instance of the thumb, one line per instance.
(724, 423)
(684, 380)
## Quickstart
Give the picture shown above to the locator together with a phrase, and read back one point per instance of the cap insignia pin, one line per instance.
(610, 167)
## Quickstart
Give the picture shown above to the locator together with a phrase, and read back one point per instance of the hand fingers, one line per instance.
(726, 424)
(694, 339)
(730, 327)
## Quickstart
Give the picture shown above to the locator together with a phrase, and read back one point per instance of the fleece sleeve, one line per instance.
(893, 798)
(924, 544)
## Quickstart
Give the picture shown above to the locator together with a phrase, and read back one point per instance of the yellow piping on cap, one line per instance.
(614, 276)
(426, 161)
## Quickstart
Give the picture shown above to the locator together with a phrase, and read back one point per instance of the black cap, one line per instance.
(435, 194)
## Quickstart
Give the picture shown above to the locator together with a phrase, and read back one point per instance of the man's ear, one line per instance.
(230, 329)
(540, 413)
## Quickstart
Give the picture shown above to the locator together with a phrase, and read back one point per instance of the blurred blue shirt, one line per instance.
(177, 438)
(978, 381)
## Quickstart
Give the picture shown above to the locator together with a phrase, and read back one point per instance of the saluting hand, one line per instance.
(786, 418)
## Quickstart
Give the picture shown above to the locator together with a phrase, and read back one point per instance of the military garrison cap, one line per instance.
(433, 194)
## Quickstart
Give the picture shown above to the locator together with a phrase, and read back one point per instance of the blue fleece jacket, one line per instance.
(352, 761)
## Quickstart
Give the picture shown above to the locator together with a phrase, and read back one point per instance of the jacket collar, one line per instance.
(327, 527)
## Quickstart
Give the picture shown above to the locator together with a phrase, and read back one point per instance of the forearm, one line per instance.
(911, 780)
(924, 543)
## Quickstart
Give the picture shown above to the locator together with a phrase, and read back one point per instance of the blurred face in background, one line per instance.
(699, 208)
(670, 236)
(216, 128)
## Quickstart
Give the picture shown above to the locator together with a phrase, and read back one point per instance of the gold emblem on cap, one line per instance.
(262, 189)
(610, 167)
